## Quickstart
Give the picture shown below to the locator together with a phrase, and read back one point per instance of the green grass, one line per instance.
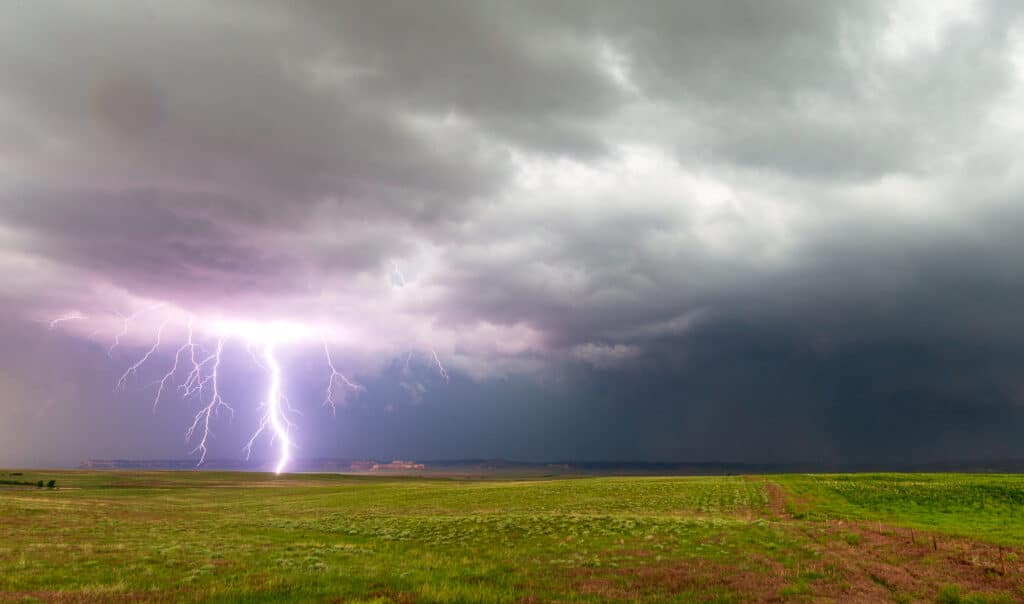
(985, 506)
(215, 536)
(954, 594)
(241, 536)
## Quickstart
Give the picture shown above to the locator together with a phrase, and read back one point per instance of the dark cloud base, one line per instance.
(745, 231)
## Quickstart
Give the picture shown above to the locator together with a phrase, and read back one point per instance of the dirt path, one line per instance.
(777, 501)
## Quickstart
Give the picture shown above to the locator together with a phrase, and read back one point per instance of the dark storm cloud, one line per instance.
(513, 74)
(698, 214)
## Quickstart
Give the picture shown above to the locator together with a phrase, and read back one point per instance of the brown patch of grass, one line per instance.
(855, 562)
(646, 583)
(86, 597)
(777, 498)
(777, 501)
(887, 563)
(397, 597)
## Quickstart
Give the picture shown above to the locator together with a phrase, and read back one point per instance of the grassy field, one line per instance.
(209, 536)
(989, 507)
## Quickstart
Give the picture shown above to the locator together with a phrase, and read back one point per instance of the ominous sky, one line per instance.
(747, 231)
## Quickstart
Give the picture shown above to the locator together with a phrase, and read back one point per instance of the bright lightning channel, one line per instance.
(202, 379)
(274, 414)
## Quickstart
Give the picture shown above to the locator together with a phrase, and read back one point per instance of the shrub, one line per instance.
(51, 484)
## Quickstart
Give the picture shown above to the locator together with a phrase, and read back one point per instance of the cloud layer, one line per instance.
(580, 189)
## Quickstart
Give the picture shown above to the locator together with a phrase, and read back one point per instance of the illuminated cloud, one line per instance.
(522, 189)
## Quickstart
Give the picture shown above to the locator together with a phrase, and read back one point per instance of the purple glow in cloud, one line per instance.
(202, 382)
(510, 191)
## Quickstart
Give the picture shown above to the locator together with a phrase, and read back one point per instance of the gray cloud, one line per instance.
(611, 189)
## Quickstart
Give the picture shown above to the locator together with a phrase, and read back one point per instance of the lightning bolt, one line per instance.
(125, 323)
(336, 376)
(169, 376)
(70, 316)
(203, 379)
(440, 367)
(274, 418)
(277, 420)
(201, 420)
(402, 282)
(252, 355)
(202, 372)
(194, 381)
(123, 382)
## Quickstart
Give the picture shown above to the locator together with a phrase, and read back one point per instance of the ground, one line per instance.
(211, 536)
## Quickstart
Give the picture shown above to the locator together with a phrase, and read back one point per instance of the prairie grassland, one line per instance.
(212, 536)
(985, 506)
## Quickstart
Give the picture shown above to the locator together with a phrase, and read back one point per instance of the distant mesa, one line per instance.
(397, 464)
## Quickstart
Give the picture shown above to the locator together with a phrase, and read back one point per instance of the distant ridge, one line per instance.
(503, 466)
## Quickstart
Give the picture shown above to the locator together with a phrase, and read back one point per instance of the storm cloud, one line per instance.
(657, 230)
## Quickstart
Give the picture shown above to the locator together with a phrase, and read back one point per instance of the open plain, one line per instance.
(217, 536)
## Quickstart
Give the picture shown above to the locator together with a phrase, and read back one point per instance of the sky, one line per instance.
(677, 231)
